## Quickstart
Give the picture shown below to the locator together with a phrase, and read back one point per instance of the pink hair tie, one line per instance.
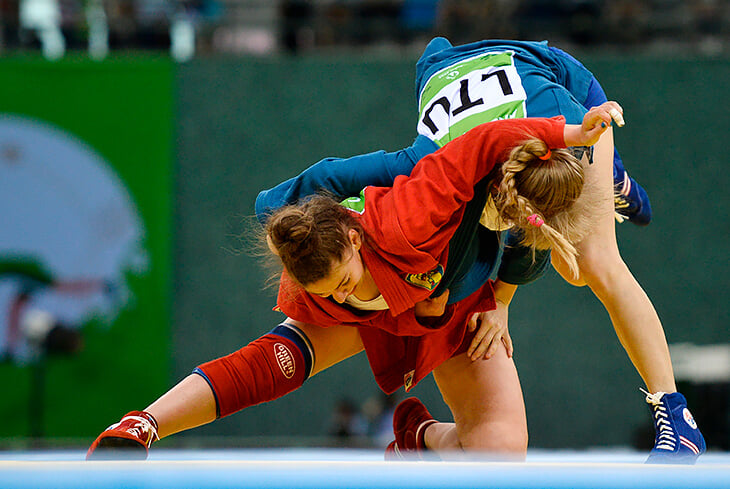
(535, 220)
(546, 156)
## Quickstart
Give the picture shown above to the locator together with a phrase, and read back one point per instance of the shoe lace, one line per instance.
(620, 198)
(619, 217)
(141, 425)
(666, 438)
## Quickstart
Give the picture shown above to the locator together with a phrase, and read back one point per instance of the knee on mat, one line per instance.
(498, 441)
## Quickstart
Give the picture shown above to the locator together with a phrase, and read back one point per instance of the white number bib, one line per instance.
(473, 91)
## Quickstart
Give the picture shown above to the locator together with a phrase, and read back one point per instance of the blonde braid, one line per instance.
(538, 195)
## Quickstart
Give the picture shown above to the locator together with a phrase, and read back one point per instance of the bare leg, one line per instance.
(634, 318)
(331, 345)
(191, 402)
(486, 401)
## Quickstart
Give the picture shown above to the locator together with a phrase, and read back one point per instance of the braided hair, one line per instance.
(537, 190)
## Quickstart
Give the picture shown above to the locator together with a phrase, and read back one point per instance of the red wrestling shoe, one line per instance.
(128, 439)
(410, 420)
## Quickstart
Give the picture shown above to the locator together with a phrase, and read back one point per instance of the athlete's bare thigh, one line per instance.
(331, 345)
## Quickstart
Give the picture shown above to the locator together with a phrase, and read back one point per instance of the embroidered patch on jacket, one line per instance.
(408, 380)
(428, 280)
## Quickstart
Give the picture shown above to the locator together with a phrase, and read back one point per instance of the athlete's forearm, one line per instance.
(187, 405)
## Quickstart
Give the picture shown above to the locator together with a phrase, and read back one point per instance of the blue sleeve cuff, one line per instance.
(518, 265)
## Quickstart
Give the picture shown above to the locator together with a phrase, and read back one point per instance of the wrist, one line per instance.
(503, 292)
(572, 135)
(502, 300)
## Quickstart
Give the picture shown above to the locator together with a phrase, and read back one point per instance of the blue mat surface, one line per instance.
(329, 469)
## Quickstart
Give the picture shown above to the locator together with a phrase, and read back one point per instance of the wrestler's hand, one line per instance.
(492, 332)
(595, 122)
(432, 307)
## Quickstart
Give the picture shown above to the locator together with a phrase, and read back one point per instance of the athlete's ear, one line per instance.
(355, 238)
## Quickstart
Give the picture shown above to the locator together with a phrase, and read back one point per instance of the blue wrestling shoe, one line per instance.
(678, 439)
(630, 200)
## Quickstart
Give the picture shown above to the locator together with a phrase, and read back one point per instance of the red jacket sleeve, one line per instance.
(427, 206)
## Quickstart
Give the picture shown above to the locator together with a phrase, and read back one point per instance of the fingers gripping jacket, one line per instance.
(266, 369)
(678, 439)
(130, 438)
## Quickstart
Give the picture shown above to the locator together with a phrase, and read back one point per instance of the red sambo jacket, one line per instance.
(407, 232)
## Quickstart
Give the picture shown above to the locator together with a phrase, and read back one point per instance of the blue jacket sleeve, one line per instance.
(518, 266)
(344, 177)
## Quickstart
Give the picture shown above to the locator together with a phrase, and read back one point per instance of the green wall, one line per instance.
(123, 110)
